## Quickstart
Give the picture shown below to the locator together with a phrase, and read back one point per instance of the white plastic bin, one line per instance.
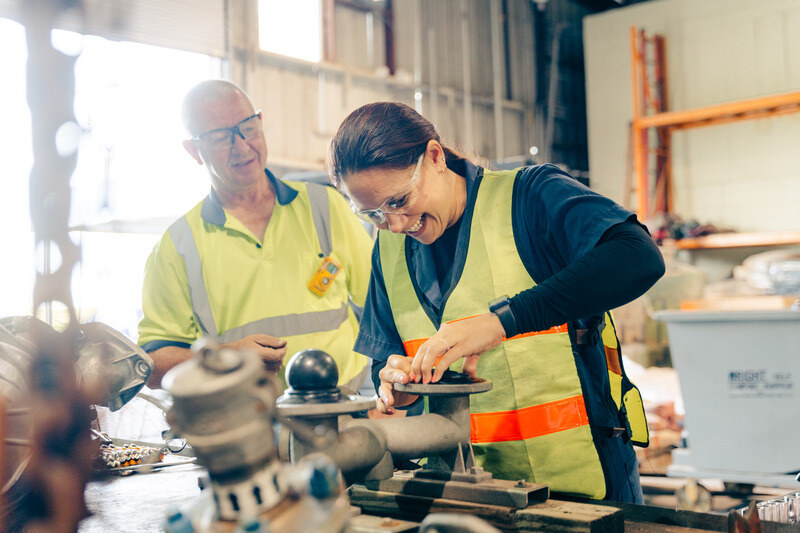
(739, 373)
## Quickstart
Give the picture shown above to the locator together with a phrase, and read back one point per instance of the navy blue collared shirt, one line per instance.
(213, 212)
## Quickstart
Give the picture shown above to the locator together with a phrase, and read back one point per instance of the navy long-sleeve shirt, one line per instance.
(586, 254)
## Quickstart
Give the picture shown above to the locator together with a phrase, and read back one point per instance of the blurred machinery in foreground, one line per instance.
(46, 450)
(106, 363)
(785, 509)
(224, 406)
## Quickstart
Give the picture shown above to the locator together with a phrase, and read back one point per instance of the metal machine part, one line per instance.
(785, 509)
(454, 474)
(313, 388)
(45, 400)
(103, 354)
(475, 485)
(366, 449)
(105, 359)
(223, 405)
(433, 523)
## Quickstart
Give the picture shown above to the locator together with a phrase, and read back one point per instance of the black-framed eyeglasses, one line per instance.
(225, 137)
(398, 204)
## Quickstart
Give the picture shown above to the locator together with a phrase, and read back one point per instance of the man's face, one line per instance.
(233, 166)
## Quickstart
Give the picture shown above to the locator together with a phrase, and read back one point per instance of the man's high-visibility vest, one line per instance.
(326, 323)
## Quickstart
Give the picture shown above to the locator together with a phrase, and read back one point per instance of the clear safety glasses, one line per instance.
(225, 137)
(397, 204)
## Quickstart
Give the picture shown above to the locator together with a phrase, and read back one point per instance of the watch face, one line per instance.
(497, 304)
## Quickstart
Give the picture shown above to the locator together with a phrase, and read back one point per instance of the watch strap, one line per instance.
(502, 308)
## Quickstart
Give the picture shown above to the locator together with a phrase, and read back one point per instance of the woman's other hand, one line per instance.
(468, 338)
(397, 370)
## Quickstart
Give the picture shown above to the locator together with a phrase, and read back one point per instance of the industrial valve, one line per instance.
(223, 405)
(366, 450)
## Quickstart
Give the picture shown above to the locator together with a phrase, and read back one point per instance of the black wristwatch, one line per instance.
(502, 308)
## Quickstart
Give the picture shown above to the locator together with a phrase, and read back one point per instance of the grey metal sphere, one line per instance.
(311, 370)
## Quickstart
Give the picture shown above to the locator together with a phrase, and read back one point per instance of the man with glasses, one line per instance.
(259, 264)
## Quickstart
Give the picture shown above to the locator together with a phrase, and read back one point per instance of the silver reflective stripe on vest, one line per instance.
(320, 210)
(278, 326)
(183, 239)
(288, 325)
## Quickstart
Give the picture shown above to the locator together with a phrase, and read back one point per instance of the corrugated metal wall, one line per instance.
(192, 25)
(440, 47)
(464, 65)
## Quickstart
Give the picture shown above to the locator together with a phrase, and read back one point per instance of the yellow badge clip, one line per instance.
(323, 278)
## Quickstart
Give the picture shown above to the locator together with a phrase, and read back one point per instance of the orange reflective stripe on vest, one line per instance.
(413, 345)
(529, 422)
(612, 360)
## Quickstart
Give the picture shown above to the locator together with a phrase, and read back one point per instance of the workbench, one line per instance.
(139, 503)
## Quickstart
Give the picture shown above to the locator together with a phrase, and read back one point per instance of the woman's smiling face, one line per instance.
(420, 206)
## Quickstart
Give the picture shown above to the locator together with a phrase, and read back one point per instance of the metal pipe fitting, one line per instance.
(223, 407)
(419, 436)
(366, 448)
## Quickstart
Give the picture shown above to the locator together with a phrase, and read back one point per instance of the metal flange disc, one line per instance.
(441, 389)
(352, 404)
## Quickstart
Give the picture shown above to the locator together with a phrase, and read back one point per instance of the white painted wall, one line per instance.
(744, 175)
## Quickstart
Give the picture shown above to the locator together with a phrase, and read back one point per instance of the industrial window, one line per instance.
(16, 268)
(132, 176)
(291, 28)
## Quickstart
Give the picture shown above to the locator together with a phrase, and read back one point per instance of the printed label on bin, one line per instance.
(760, 383)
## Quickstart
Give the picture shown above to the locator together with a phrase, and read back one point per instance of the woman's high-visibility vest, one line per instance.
(534, 424)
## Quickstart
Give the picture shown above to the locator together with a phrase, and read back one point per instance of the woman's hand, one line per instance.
(468, 338)
(397, 370)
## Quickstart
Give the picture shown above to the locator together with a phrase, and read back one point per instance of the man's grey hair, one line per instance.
(207, 93)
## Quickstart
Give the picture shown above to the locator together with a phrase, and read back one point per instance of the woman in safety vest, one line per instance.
(511, 275)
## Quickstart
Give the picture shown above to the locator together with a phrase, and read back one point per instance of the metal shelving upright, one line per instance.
(648, 78)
